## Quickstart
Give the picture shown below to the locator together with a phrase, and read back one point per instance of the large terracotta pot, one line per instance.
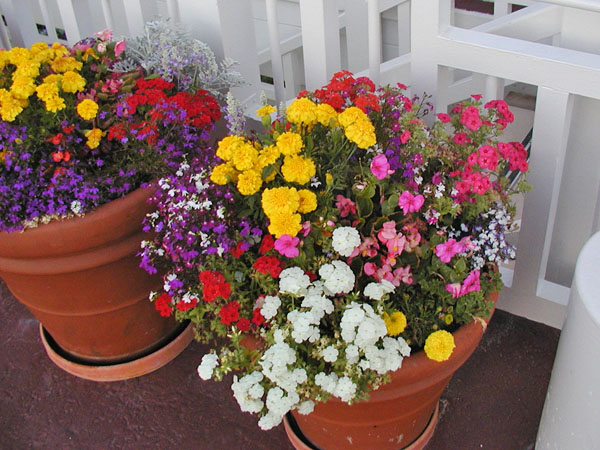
(400, 414)
(81, 279)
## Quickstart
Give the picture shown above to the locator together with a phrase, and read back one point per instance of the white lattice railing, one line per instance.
(552, 48)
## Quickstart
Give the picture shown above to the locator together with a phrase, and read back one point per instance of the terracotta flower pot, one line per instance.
(397, 415)
(81, 279)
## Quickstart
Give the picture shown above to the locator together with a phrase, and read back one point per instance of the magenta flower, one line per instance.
(119, 48)
(471, 283)
(447, 250)
(380, 167)
(345, 205)
(410, 203)
(387, 232)
(405, 136)
(454, 289)
(286, 245)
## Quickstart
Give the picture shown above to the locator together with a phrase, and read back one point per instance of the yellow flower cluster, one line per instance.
(298, 169)
(439, 345)
(265, 110)
(26, 64)
(357, 127)
(93, 137)
(302, 111)
(282, 206)
(87, 109)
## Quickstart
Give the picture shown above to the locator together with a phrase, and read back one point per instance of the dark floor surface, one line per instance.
(493, 402)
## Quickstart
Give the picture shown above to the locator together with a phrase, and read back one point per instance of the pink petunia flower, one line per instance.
(454, 289)
(380, 167)
(471, 283)
(286, 245)
(405, 136)
(119, 48)
(448, 249)
(345, 205)
(410, 203)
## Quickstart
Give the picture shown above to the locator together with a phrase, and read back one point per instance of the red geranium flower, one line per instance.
(163, 305)
(230, 312)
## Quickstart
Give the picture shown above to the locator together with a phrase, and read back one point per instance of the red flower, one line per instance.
(214, 285)
(163, 305)
(268, 264)
(184, 306)
(266, 244)
(237, 251)
(243, 324)
(209, 277)
(257, 317)
(230, 312)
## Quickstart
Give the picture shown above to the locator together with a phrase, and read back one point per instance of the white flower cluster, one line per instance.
(337, 277)
(345, 240)
(341, 387)
(376, 291)
(270, 306)
(248, 392)
(363, 328)
(207, 365)
(293, 281)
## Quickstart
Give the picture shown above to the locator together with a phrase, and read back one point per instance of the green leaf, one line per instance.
(365, 206)
(390, 204)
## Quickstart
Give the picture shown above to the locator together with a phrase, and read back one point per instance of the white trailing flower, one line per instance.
(338, 277)
(376, 291)
(330, 354)
(270, 306)
(327, 382)
(207, 365)
(345, 240)
(345, 389)
(306, 407)
(293, 281)
(305, 325)
(352, 354)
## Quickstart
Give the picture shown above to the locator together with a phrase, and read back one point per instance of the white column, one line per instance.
(275, 47)
(107, 13)
(374, 30)
(50, 27)
(173, 9)
(133, 17)
(320, 41)
(356, 14)
(67, 14)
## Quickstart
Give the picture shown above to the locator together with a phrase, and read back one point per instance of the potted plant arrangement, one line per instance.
(85, 130)
(345, 259)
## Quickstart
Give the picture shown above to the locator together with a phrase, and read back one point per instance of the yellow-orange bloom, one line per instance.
(439, 345)
(249, 182)
(282, 222)
(280, 199)
(297, 169)
(72, 82)
(395, 323)
(289, 143)
(302, 111)
(93, 137)
(87, 109)
(308, 201)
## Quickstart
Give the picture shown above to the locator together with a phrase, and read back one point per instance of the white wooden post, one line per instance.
(550, 134)
(67, 14)
(173, 9)
(275, 47)
(356, 14)
(4, 37)
(50, 28)
(292, 68)
(107, 13)
(374, 30)
(501, 8)
(134, 17)
(227, 26)
(320, 41)
(404, 27)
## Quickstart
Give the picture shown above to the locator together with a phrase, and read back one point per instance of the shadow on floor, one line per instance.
(493, 402)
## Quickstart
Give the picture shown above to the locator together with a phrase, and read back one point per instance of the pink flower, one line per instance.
(380, 167)
(454, 289)
(367, 248)
(410, 203)
(444, 118)
(476, 96)
(470, 118)
(405, 136)
(104, 35)
(101, 47)
(286, 245)
(396, 245)
(345, 205)
(119, 48)
(447, 250)
(387, 232)
(403, 274)
(370, 268)
(306, 228)
(471, 283)
(482, 185)
(460, 139)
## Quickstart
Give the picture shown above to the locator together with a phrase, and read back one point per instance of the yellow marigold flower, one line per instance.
(38, 47)
(265, 110)
(54, 104)
(53, 79)
(308, 201)
(221, 174)
(289, 143)
(29, 69)
(351, 115)
(46, 91)
(10, 107)
(297, 169)
(395, 324)
(72, 82)
(244, 157)
(302, 111)
(59, 49)
(283, 222)
(362, 133)
(227, 146)
(249, 182)
(22, 87)
(439, 345)
(62, 64)
(280, 199)
(18, 55)
(268, 155)
(89, 52)
(4, 58)
(87, 109)
(93, 137)
(326, 115)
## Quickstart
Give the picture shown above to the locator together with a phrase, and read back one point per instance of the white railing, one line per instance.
(551, 47)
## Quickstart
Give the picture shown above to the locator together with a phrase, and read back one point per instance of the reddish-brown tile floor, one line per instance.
(493, 402)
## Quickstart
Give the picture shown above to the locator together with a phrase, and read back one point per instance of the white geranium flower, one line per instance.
(338, 277)
(306, 407)
(376, 291)
(294, 281)
(345, 389)
(345, 240)
(352, 354)
(207, 366)
(327, 382)
(248, 392)
(270, 306)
